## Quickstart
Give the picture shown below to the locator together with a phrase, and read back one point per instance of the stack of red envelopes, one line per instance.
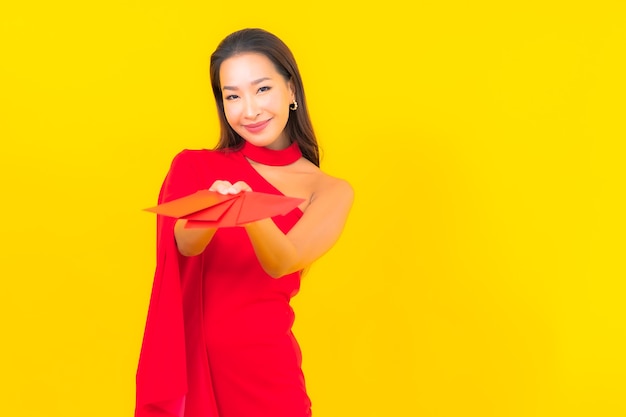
(211, 209)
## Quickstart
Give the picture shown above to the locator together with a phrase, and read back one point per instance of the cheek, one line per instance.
(231, 113)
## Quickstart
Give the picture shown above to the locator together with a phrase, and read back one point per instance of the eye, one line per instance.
(231, 97)
(264, 89)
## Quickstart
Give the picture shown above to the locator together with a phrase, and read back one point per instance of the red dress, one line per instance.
(218, 340)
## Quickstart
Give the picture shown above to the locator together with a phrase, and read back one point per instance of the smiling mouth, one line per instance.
(256, 127)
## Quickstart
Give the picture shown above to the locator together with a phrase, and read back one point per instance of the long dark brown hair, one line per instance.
(299, 127)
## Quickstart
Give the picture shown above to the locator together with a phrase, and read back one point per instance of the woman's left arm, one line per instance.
(314, 234)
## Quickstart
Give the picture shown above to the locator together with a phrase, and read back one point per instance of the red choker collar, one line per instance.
(266, 156)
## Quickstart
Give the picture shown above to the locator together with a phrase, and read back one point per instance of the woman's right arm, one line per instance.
(181, 181)
(192, 242)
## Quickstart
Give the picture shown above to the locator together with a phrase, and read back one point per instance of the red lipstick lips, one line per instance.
(256, 127)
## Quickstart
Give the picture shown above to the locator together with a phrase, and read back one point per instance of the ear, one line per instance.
(292, 89)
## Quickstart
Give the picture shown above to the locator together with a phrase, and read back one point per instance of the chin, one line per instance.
(261, 141)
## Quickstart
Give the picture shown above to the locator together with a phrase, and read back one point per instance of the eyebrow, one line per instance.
(255, 82)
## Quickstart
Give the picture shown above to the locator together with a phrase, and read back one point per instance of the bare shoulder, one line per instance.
(330, 187)
(335, 185)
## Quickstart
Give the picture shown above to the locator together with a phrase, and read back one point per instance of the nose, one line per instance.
(251, 108)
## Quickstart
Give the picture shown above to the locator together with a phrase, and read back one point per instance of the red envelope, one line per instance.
(211, 209)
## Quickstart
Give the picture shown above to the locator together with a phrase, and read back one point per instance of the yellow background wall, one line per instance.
(481, 272)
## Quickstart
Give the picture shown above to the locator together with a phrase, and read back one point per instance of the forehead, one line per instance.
(246, 67)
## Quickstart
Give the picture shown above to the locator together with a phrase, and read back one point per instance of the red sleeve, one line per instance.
(161, 373)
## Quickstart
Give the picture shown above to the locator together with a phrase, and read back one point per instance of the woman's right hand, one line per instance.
(191, 242)
(225, 187)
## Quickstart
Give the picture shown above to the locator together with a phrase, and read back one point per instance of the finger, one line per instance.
(221, 187)
(242, 186)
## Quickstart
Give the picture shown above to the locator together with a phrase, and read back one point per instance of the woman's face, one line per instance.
(256, 99)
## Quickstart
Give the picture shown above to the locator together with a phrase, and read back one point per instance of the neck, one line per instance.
(267, 156)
